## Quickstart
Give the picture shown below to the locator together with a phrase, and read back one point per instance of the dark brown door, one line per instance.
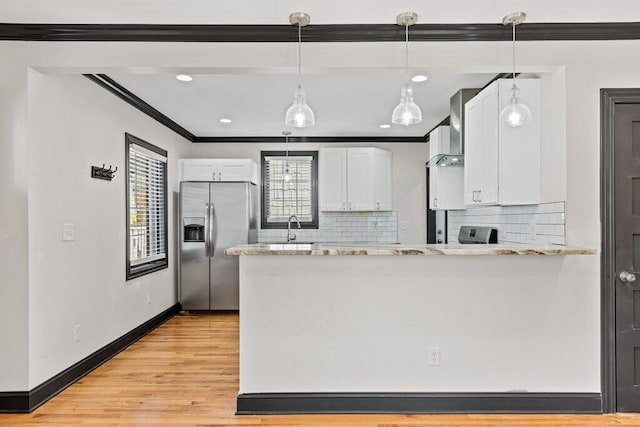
(627, 255)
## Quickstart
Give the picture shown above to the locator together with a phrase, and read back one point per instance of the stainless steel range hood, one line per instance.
(454, 156)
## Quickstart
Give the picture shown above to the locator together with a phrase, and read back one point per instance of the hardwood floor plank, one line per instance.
(185, 373)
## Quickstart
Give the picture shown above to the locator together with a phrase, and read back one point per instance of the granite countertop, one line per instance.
(403, 249)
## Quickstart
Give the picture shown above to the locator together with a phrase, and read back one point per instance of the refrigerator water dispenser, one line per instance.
(193, 229)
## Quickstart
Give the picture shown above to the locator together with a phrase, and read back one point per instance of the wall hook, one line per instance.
(102, 172)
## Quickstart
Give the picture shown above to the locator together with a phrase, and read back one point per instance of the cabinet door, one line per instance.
(235, 170)
(450, 188)
(360, 192)
(433, 188)
(197, 170)
(473, 158)
(382, 188)
(489, 149)
(520, 148)
(332, 179)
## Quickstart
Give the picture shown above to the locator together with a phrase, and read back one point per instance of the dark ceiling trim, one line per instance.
(317, 33)
(132, 99)
(317, 139)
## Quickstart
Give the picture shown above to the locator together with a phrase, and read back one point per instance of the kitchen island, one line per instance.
(362, 328)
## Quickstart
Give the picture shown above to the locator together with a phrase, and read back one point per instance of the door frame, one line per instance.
(609, 98)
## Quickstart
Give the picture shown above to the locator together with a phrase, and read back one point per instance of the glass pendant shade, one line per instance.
(299, 115)
(516, 113)
(407, 111)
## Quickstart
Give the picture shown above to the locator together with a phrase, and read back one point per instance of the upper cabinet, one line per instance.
(446, 184)
(502, 164)
(225, 170)
(355, 179)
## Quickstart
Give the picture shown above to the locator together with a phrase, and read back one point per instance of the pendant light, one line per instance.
(299, 115)
(515, 113)
(287, 174)
(407, 111)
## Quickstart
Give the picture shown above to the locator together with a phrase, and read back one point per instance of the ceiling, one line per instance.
(344, 104)
(256, 94)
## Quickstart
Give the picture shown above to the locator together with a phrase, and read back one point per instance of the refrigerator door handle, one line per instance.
(212, 231)
(206, 230)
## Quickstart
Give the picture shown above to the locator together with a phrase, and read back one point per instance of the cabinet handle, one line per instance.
(214, 176)
(473, 197)
(349, 205)
(435, 202)
(479, 198)
(344, 206)
(378, 205)
(219, 176)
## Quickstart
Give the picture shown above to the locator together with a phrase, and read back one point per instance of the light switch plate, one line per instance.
(68, 234)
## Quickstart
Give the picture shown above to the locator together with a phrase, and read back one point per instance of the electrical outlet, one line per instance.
(76, 332)
(433, 354)
(68, 234)
(148, 297)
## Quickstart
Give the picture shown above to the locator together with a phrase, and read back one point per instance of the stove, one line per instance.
(472, 234)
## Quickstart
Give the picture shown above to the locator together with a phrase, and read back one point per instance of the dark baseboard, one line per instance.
(14, 402)
(27, 401)
(418, 403)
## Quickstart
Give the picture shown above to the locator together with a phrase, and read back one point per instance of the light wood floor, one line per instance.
(186, 373)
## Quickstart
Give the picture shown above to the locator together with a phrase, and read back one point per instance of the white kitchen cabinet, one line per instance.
(502, 164)
(446, 188)
(446, 183)
(382, 188)
(355, 179)
(333, 179)
(224, 170)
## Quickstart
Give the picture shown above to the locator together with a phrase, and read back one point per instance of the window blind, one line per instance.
(147, 172)
(293, 197)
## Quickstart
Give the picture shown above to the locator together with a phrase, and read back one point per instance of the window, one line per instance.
(298, 196)
(147, 245)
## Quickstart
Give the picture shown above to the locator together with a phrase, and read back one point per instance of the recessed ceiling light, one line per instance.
(385, 126)
(184, 77)
(225, 120)
(418, 78)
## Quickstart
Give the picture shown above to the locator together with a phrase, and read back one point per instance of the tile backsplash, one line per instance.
(343, 227)
(534, 224)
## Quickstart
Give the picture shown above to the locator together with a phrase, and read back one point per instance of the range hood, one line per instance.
(451, 152)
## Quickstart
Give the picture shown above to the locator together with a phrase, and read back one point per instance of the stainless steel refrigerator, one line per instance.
(213, 217)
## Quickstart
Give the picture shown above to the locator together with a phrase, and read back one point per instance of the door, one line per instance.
(234, 170)
(194, 258)
(489, 149)
(382, 180)
(473, 150)
(627, 255)
(359, 179)
(333, 179)
(230, 204)
(197, 170)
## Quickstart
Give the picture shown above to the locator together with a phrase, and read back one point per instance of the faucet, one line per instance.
(292, 236)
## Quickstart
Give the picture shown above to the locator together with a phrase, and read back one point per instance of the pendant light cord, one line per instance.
(513, 32)
(299, 54)
(406, 51)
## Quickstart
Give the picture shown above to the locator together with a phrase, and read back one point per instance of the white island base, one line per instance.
(355, 334)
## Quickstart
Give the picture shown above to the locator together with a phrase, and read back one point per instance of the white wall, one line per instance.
(365, 323)
(409, 176)
(14, 275)
(589, 66)
(73, 124)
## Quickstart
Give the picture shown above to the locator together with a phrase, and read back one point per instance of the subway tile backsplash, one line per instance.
(343, 227)
(531, 224)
